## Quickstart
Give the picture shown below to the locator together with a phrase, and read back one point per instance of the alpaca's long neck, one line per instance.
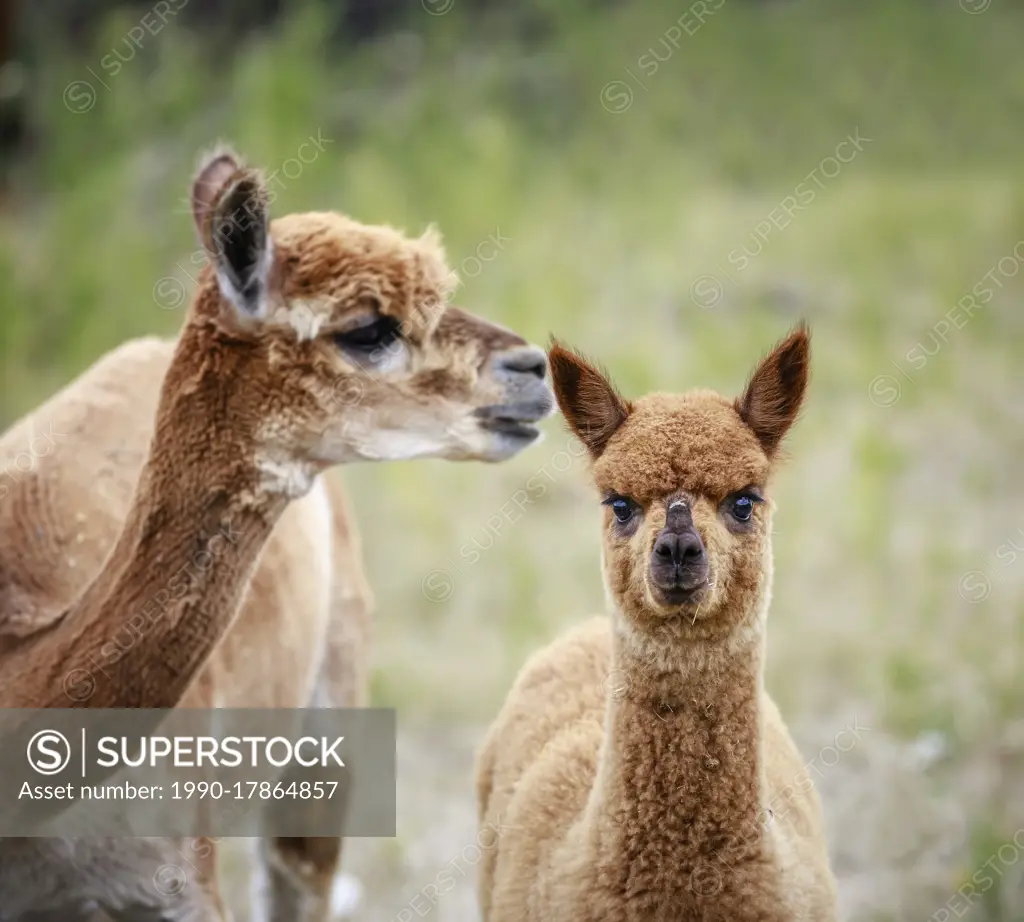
(177, 575)
(679, 801)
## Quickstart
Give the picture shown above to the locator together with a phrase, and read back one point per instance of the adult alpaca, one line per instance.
(639, 770)
(181, 490)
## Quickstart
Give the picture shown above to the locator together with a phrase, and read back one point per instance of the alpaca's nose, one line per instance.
(679, 562)
(679, 549)
(523, 360)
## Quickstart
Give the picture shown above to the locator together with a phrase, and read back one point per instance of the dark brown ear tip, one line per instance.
(794, 352)
(565, 364)
(559, 351)
(800, 336)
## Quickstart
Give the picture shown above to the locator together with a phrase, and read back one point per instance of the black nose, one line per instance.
(525, 360)
(681, 549)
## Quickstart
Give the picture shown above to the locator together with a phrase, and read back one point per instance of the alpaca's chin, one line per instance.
(504, 444)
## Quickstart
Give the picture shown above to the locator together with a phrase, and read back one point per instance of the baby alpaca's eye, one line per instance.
(622, 508)
(742, 506)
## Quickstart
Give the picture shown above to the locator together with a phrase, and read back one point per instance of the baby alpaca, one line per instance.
(638, 771)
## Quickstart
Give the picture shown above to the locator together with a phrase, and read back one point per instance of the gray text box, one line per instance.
(183, 772)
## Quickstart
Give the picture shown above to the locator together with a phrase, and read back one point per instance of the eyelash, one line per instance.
(630, 506)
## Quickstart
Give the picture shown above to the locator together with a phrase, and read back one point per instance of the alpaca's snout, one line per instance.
(679, 561)
(522, 373)
(685, 550)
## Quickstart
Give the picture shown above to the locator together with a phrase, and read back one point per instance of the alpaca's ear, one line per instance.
(588, 401)
(229, 205)
(771, 402)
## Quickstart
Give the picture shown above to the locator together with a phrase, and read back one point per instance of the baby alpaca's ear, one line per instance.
(589, 402)
(771, 402)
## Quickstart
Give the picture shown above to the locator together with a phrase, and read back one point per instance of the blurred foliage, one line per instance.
(450, 119)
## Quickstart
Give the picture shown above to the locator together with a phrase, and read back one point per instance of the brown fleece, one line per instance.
(164, 537)
(638, 771)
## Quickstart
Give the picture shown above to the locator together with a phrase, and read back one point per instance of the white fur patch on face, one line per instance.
(304, 317)
(365, 435)
(396, 445)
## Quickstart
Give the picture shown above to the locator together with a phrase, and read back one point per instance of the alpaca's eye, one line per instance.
(623, 509)
(374, 335)
(743, 506)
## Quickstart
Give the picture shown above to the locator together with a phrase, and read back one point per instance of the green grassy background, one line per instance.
(497, 124)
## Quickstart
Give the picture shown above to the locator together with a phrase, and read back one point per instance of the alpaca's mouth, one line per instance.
(680, 595)
(681, 591)
(514, 419)
(676, 596)
(513, 427)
